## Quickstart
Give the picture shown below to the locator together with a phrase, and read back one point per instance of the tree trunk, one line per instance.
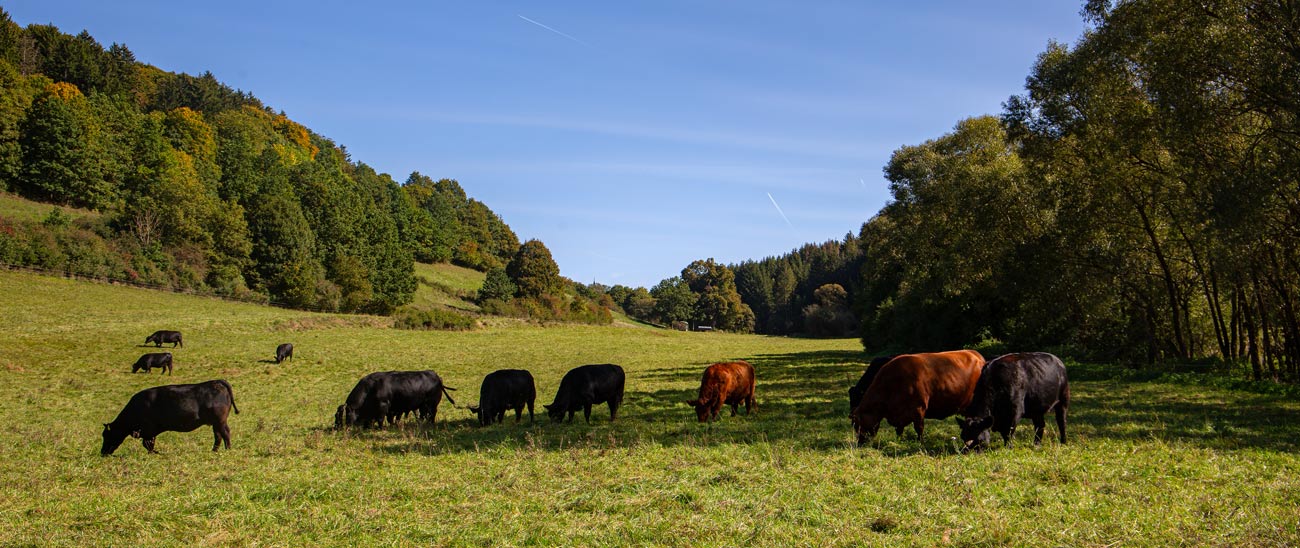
(1171, 288)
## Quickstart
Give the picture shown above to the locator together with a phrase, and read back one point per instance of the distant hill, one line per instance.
(190, 184)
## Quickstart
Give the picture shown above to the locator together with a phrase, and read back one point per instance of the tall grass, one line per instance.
(1148, 463)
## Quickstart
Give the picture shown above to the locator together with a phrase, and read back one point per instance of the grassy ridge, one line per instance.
(1148, 463)
(446, 285)
(17, 208)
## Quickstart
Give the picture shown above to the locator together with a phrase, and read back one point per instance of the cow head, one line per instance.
(975, 433)
(555, 412)
(344, 416)
(477, 410)
(702, 410)
(113, 438)
(865, 424)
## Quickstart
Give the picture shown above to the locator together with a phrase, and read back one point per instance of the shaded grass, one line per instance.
(1148, 463)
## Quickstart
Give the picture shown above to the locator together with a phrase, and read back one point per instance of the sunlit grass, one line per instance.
(447, 286)
(1146, 464)
(16, 208)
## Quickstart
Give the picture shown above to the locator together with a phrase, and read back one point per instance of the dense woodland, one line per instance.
(202, 187)
(1140, 201)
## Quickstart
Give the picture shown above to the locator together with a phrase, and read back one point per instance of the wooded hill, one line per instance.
(202, 187)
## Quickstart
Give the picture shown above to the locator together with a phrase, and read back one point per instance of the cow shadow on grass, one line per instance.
(803, 403)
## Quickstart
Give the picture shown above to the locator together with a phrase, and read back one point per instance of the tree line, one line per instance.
(200, 186)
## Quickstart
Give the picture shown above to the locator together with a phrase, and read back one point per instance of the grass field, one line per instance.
(1148, 464)
(446, 285)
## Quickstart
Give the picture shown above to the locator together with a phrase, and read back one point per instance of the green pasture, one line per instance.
(446, 286)
(1147, 464)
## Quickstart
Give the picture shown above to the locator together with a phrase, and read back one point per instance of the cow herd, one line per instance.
(901, 390)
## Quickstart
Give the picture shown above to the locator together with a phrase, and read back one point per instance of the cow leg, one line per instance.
(530, 412)
(586, 412)
(749, 405)
(225, 434)
(919, 426)
(148, 443)
(1040, 424)
(1060, 421)
(899, 430)
(519, 414)
(613, 410)
(216, 437)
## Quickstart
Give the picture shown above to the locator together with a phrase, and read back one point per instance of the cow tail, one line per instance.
(448, 394)
(232, 395)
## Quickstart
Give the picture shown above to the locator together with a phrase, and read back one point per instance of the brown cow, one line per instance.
(914, 387)
(730, 383)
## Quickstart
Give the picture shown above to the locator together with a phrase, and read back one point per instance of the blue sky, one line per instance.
(631, 138)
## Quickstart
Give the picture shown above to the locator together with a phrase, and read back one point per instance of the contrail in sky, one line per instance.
(552, 30)
(778, 210)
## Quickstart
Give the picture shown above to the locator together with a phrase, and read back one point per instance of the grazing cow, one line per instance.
(283, 352)
(160, 337)
(585, 386)
(914, 387)
(161, 360)
(505, 389)
(1014, 386)
(729, 383)
(173, 408)
(856, 392)
(392, 395)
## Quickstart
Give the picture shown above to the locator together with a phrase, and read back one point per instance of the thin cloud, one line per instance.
(552, 30)
(821, 147)
(778, 210)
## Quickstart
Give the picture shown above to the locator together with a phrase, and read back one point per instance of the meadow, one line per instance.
(1147, 464)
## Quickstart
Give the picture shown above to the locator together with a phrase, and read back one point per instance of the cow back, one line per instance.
(725, 381)
(589, 384)
(941, 382)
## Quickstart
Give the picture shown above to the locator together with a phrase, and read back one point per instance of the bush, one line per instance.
(431, 318)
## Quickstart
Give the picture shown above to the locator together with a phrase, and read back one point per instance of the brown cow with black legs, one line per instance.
(173, 408)
(724, 383)
(914, 387)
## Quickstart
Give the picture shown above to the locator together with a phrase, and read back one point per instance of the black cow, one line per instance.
(505, 389)
(1028, 384)
(392, 395)
(161, 360)
(160, 337)
(585, 386)
(283, 352)
(857, 390)
(173, 408)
